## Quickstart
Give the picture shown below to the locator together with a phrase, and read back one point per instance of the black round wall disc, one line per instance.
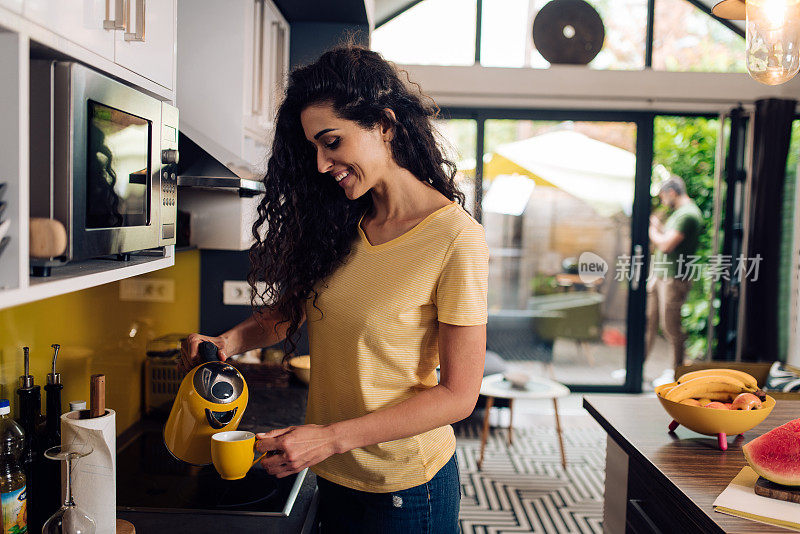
(568, 31)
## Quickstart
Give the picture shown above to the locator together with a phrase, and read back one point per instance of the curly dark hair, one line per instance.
(306, 225)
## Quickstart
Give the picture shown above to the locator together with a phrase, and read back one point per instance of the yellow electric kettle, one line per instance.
(212, 398)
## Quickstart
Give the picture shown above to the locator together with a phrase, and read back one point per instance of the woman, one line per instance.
(362, 232)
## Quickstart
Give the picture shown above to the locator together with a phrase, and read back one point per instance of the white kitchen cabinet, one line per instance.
(80, 21)
(136, 34)
(14, 163)
(83, 31)
(13, 5)
(231, 72)
(147, 45)
(269, 67)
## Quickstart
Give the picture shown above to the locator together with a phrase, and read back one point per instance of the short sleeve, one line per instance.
(461, 292)
(685, 224)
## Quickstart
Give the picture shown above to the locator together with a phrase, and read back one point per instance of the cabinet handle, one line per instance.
(258, 58)
(117, 22)
(138, 34)
(277, 89)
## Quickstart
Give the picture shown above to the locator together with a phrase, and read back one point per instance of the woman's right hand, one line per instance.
(189, 356)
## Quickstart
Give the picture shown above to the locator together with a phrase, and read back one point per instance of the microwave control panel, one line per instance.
(168, 174)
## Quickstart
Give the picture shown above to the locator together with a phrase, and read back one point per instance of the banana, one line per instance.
(723, 396)
(705, 386)
(723, 379)
(664, 391)
(748, 380)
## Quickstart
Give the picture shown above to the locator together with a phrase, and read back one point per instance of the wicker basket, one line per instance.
(162, 380)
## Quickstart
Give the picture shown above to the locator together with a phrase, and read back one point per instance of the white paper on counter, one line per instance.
(739, 499)
(94, 477)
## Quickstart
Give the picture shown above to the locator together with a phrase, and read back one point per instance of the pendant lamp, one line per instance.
(773, 36)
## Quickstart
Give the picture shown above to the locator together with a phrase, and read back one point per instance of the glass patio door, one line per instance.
(558, 201)
(566, 200)
(692, 294)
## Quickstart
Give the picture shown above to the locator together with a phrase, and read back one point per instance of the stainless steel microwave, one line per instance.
(103, 162)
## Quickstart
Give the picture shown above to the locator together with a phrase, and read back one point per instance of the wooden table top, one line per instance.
(687, 462)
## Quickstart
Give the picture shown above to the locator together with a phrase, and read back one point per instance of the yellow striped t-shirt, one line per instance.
(374, 340)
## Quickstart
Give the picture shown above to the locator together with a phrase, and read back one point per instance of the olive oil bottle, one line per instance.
(13, 519)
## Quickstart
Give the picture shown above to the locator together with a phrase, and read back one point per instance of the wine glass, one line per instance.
(69, 519)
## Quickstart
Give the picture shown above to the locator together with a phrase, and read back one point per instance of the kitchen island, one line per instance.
(268, 408)
(658, 481)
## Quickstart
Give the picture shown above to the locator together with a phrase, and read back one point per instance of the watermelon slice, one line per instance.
(776, 455)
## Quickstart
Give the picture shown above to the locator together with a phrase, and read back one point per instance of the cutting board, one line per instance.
(765, 488)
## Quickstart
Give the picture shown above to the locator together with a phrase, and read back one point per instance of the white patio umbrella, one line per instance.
(600, 174)
(508, 194)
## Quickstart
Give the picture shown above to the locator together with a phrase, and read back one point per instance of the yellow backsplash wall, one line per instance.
(98, 333)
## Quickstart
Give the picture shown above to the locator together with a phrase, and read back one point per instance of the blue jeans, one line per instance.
(430, 508)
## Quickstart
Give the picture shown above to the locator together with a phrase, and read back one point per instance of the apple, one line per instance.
(691, 402)
(703, 401)
(728, 405)
(716, 405)
(746, 401)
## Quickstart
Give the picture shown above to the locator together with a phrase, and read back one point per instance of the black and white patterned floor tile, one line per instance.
(523, 489)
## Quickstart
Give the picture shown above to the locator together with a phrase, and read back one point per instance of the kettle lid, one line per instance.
(218, 382)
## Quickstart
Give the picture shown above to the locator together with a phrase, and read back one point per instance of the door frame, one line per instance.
(637, 294)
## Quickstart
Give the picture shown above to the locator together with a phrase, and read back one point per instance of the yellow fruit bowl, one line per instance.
(713, 422)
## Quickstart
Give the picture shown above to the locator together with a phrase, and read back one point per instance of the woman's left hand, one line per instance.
(299, 446)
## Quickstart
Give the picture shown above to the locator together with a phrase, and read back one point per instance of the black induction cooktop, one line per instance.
(150, 479)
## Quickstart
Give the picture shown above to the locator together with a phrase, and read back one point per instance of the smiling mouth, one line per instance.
(341, 176)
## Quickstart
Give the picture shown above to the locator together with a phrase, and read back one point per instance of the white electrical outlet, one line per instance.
(238, 292)
(235, 293)
(147, 290)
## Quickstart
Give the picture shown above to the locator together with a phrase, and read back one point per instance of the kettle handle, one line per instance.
(208, 352)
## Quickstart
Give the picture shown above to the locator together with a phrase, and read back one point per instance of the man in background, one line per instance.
(674, 241)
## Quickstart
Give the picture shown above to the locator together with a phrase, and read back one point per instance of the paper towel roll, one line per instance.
(94, 477)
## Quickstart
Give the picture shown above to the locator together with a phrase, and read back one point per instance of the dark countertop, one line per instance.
(271, 407)
(268, 408)
(690, 466)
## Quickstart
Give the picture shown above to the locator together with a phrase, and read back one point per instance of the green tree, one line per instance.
(686, 146)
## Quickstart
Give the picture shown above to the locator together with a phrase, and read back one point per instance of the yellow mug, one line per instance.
(232, 453)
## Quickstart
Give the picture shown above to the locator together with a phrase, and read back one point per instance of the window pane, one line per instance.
(505, 33)
(458, 138)
(507, 40)
(433, 32)
(686, 39)
(787, 244)
(544, 210)
(680, 282)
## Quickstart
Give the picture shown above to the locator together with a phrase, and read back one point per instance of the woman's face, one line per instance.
(356, 158)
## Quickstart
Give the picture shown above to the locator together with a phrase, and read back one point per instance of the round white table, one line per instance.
(495, 386)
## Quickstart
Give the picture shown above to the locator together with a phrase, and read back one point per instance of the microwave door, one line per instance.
(98, 144)
(115, 166)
